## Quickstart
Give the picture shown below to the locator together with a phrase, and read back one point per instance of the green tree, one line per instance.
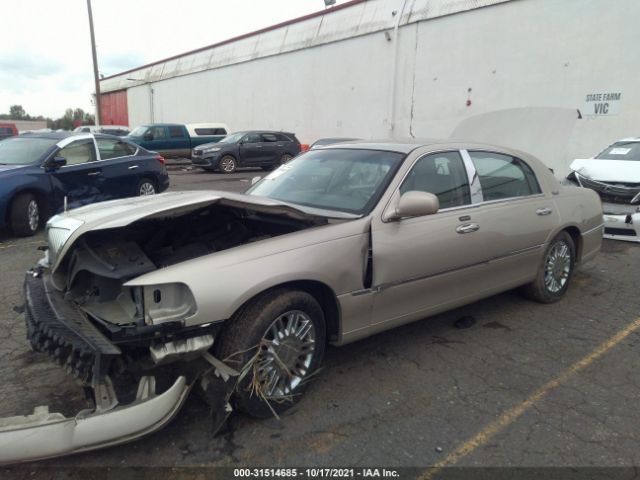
(17, 112)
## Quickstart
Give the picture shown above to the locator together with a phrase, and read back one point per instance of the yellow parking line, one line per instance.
(511, 415)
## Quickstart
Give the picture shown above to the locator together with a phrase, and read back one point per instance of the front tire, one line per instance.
(24, 216)
(555, 271)
(285, 158)
(228, 164)
(277, 343)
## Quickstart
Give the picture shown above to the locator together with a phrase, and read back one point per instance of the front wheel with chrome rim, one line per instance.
(227, 164)
(277, 342)
(555, 271)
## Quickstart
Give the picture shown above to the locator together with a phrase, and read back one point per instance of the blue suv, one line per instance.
(40, 173)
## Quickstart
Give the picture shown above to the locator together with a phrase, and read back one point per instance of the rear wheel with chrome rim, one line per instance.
(555, 271)
(277, 342)
(24, 216)
(146, 187)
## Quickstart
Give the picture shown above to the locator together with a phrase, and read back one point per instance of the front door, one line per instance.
(422, 265)
(80, 180)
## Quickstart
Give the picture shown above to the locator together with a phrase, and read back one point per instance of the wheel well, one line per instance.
(322, 293)
(574, 232)
(41, 198)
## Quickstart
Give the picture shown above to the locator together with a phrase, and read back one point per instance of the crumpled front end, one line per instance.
(620, 204)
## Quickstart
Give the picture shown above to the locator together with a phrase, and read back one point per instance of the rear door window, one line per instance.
(176, 132)
(503, 176)
(109, 148)
(269, 137)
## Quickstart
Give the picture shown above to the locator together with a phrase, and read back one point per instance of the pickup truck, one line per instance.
(176, 139)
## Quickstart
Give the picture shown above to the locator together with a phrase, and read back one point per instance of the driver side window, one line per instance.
(78, 152)
(442, 174)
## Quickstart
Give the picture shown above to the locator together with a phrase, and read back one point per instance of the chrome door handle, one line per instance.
(94, 174)
(468, 228)
(544, 211)
(133, 167)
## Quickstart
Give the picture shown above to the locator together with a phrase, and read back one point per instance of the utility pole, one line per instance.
(96, 79)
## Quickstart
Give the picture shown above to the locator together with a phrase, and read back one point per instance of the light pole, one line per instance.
(96, 78)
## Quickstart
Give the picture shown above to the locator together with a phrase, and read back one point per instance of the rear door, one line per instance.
(272, 149)
(180, 141)
(80, 180)
(121, 169)
(519, 216)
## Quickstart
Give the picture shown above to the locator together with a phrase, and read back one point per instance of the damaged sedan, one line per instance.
(238, 295)
(615, 175)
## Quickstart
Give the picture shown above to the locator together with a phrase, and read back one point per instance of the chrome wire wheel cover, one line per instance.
(228, 164)
(33, 215)
(557, 267)
(286, 353)
(147, 188)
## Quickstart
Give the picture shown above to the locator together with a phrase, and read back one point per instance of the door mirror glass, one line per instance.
(415, 204)
(56, 162)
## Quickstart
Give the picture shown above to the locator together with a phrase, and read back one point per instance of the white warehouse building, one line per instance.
(406, 68)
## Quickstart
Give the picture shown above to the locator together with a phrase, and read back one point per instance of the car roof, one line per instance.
(409, 145)
(630, 139)
(52, 135)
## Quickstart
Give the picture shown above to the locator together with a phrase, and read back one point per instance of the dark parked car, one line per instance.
(247, 149)
(39, 173)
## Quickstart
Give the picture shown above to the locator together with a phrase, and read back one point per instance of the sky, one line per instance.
(45, 61)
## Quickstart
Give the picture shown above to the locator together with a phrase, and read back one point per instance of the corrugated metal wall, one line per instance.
(333, 75)
(114, 108)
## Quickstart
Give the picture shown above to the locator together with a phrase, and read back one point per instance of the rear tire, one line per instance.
(278, 339)
(146, 187)
(285, 158)
(24, 216)
(555, 271)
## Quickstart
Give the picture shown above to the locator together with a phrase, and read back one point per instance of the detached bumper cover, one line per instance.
(43, 434)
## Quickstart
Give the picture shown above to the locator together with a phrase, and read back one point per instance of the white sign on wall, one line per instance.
(602, 104)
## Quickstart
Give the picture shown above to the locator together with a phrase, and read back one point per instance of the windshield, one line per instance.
(621, 151)
(345, 180)
(233, 138)
(24, 150)
(139, 131)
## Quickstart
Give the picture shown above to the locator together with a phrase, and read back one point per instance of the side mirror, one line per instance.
(415, 204)
(55, 162)
(148, 136)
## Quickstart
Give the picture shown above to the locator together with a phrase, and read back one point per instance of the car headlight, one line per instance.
(211, 149)
(167, 302)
